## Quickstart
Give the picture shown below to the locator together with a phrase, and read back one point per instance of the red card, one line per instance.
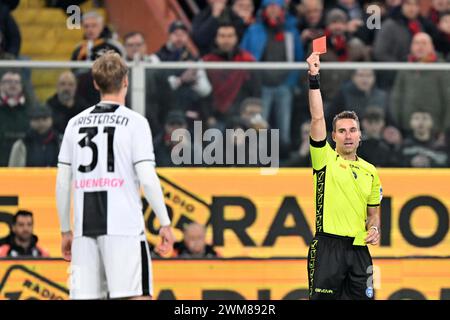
(320, 45)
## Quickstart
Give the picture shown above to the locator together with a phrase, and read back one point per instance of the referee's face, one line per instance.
(346, 136)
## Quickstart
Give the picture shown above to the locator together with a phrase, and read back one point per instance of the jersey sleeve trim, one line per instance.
(65, 163)
(144, 160)
(317, 144)
(321, 169)
(373, 205)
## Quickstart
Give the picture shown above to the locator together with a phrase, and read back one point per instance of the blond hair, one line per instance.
(109, 71)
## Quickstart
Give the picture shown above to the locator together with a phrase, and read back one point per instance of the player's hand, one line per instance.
(313, 63)
(167, 240)
(66, 245)
(373, 237)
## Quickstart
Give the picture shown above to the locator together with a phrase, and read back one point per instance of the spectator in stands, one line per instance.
(244, 9)
(205, 24)
(421, 90)
(355, 14)
(175, 49)
(358, 93)
(194, 243)
(353, 10)
(136, 50)
(438, 8)
(339, 48)
(373, 147)
(337, 38)
(311, 23)
(271, 39)
(4, 55)
(393, 136)
(443, 38)
(9, 31)
(183, 89)
(245, 154)
(361, 31)
(251, 113)
(97, 39)
(14, 108)
(65, 104)
(164, 144)
(393, 40)
(420, 148)
(392, 5)
(230, 87)
(301, 156)
(40, 146)
(136, 47)
(21, 241)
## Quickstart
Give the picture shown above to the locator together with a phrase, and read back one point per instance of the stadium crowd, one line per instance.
(405, 116)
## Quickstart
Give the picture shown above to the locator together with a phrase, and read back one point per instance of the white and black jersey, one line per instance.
(102, 144)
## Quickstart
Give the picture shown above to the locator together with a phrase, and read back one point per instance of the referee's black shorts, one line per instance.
(339, 270)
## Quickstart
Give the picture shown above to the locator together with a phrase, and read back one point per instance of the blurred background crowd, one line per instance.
(404, 114)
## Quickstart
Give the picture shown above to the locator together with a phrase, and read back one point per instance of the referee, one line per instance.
(347, 196)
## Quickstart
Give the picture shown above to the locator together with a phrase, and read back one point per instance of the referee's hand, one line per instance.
(373, 237)
(314, 63)
(168, 239)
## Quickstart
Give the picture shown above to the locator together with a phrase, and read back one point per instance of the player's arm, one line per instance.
(152, 190)
(144, 164)
(63, 190)
(153, 193)
(63, 182)
(63, 193)
(318, 127)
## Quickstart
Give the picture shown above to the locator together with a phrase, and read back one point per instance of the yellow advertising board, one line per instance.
(258, 279)
(254, 215)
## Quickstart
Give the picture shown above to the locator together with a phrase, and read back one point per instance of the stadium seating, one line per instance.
(56, 41)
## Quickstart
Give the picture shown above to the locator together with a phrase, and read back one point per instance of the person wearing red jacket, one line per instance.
(230, 87)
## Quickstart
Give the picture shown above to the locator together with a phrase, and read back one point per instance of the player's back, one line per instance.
(102, 144)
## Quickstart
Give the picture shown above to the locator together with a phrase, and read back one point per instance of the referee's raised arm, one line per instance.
(318, 127)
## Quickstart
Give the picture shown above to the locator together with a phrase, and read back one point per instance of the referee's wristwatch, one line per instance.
(376, 229)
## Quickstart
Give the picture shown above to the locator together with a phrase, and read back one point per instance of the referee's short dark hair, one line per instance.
(345, 115)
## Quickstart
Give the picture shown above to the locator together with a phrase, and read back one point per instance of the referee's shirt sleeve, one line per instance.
(142, 142)
(66, 150)
(320, 152)
(377, 192)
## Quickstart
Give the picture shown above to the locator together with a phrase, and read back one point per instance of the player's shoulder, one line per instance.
(135, 116)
